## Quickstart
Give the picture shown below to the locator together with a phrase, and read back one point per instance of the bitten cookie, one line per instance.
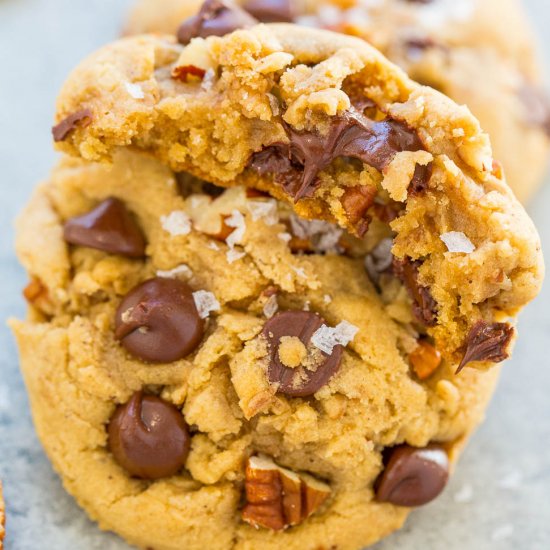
(285, 363)
(326, 123)
(459, 47)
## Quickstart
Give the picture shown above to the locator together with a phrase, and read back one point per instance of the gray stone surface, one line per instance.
(500, 496)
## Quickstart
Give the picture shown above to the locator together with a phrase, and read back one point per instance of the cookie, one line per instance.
(269, 364)
(310, 398)
(460, 48)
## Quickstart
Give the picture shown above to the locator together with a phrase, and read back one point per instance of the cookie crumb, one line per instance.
(326, 338)
(206, 302)
(292, 351)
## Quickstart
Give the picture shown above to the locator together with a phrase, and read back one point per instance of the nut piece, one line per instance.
(425, 360)
(278, 498)
(37, 295)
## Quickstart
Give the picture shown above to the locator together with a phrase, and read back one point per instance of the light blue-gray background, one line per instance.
(500, 496)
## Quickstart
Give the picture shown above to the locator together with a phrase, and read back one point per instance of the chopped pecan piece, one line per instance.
(356, 202)
(183, 73)
(278, 498)
(425, 360)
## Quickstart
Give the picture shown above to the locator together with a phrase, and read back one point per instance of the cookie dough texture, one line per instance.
(478, 52)
(76, 373)
(212, 129)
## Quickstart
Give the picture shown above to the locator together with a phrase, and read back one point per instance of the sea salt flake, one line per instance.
(237, 221)
(213, 246)
(323, 236)
(206, 302)
(285, 237)
(271, 306)
(208, 79)
(134, 90)
(464, 495)
(233, 255)
(182, 270)
(456, 241)
(327, 299)
(299, 271)
(326, 338)
(176, 223)
(266, 210)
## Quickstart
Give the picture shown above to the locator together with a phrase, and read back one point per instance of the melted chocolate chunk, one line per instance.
(149, 437)
(81, 118)
(158, 321)
(301, 381)
(413, 476)
(487, 342)
(271, 11)
(108, 227)
(537, 105)
(215, 18)
(424, 306)
(351, 134)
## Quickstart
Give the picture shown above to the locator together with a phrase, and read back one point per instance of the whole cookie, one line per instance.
(459, 47)
(249, 433)
(365, 255)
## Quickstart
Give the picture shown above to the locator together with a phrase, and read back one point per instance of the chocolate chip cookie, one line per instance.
(459, 47)
(257, 297)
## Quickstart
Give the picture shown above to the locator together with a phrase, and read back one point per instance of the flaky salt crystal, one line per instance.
(271, 306)
(233, 255)
(323, 236)
(176, 223)
(206, 302)
(266, 210)
(285, 237)
(326, 338)
(182, 270)
(237, 221)
(134, 90)
(456, 241)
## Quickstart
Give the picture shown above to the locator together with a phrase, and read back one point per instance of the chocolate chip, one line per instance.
(301, 381)
(537, 105)
(158, 321)
(81, 118)
(109, 227)
(487, 342)
(351, 134)
(271, 11)
(424, 306)
(413, 476)
(149, 437)
(215, 18)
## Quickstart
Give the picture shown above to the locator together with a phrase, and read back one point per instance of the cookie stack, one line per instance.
(272, 278)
